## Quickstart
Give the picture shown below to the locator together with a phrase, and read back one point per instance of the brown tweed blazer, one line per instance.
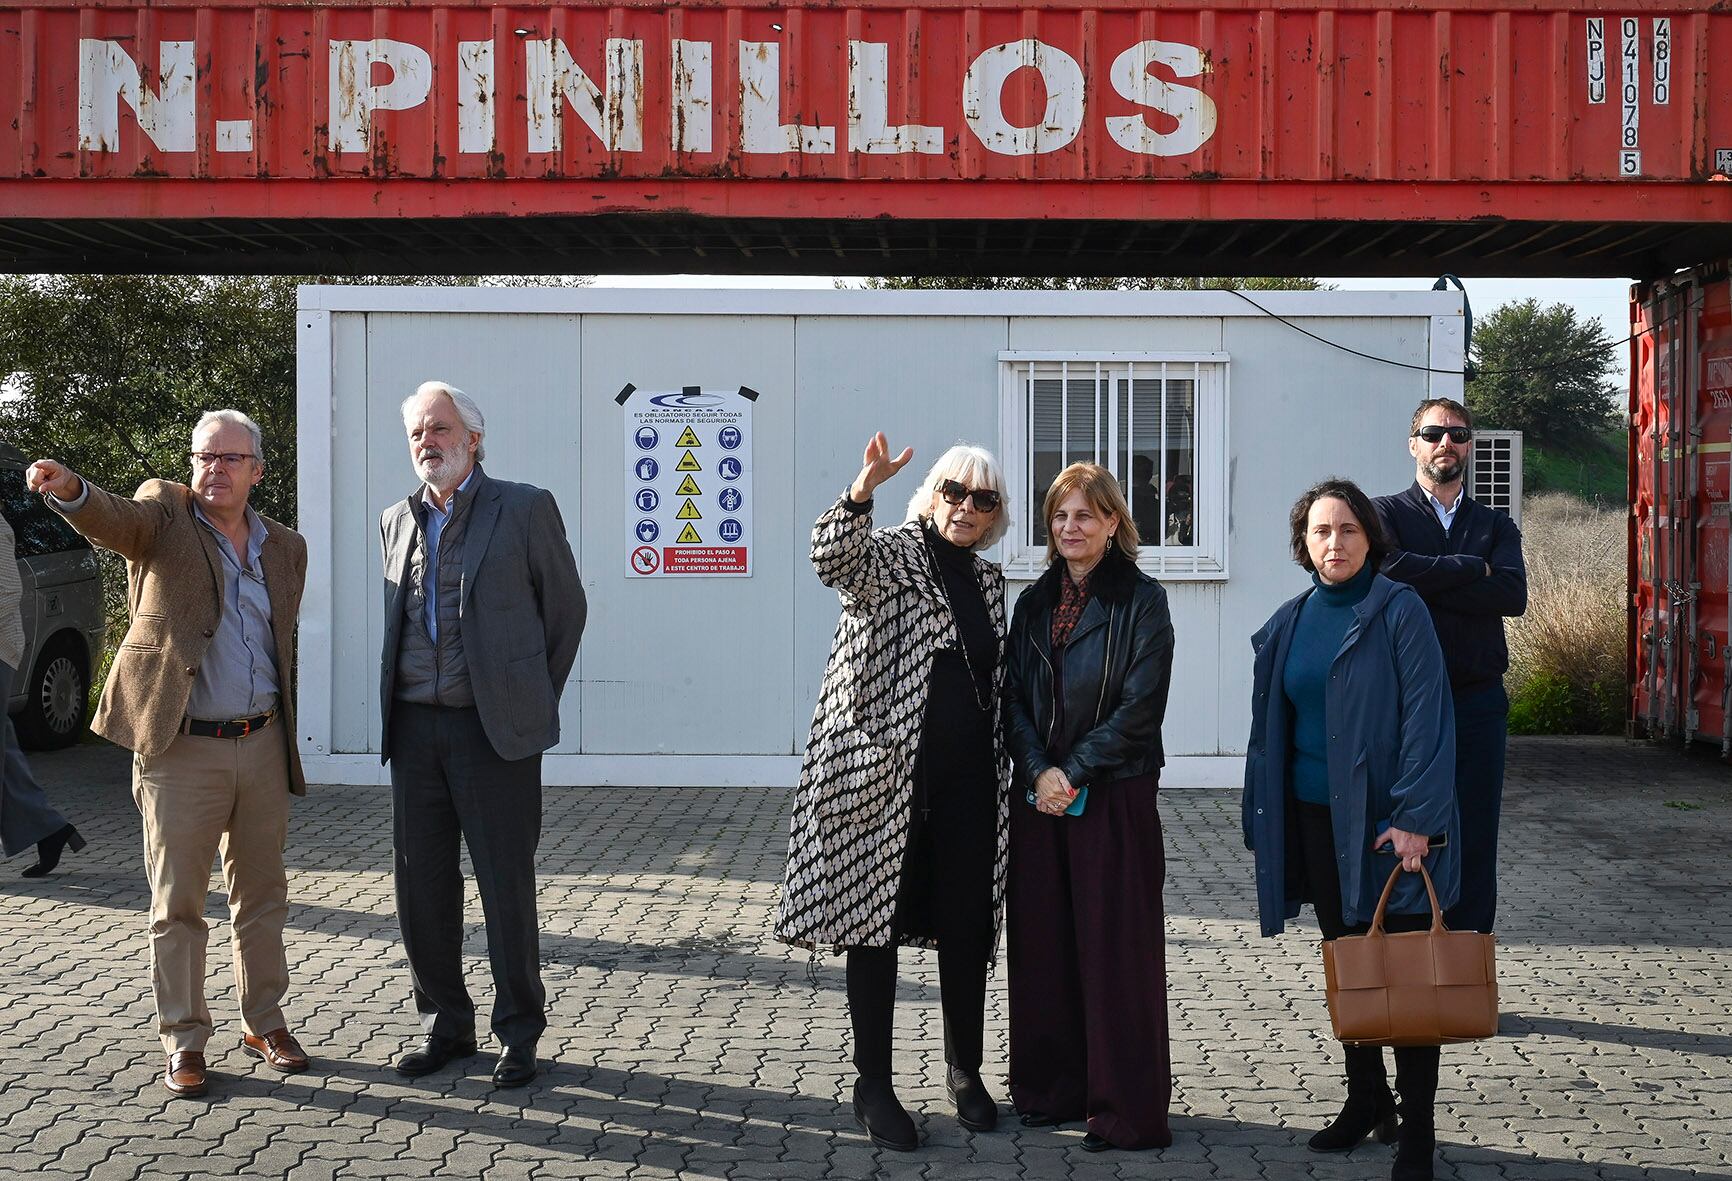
(174, 589)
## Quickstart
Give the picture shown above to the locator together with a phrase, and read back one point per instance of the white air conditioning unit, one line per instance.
(1494, 472)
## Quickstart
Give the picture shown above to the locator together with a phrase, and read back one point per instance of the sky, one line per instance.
(1606, 300)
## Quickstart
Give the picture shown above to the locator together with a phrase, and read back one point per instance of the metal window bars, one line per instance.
(1138, 407)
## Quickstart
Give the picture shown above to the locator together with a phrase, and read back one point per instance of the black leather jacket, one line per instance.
(1117, 669)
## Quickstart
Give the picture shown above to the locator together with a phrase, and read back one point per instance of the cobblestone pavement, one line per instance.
(686, 1043)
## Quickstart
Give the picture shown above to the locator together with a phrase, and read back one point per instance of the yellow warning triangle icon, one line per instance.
(688, 512)
(688, 438)
(688, 463)
(688, 536)
(688, 487)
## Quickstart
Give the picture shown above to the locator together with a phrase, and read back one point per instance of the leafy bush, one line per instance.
(1567, 671)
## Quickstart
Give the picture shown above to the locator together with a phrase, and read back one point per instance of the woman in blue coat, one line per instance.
(1352, 759)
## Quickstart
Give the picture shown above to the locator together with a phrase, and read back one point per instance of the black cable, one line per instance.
(1334, 344)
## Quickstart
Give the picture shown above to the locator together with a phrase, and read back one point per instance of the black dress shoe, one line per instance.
(48, 851)
(886, 1121)
(516, 1066)
(1094, 1143)
(1039, 1119)
(975, 1109)
(434, 1052)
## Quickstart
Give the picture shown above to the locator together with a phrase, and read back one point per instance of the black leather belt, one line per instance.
(235, 728)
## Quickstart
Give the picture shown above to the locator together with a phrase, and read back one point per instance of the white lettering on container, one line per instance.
(1190, 108)
(761, 127)
(166, 115)
(694, 96)
(353, 96)
(869, 127)
(983, 98)
(614, 115)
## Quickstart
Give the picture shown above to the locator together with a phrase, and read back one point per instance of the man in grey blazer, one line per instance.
(483, 614)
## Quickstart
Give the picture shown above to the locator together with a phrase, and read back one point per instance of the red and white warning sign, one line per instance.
(688, 454)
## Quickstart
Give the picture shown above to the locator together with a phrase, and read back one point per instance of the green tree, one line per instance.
(1088, 283)
(109, 372)
(1546, 372)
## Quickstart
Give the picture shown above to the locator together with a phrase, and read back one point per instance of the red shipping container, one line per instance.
(1681, 506)
(1319, 135)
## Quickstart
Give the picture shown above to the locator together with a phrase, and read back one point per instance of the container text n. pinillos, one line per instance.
(370, 79)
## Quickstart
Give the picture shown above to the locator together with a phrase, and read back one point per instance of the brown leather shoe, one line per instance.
(279, 1050)
(185, 1074)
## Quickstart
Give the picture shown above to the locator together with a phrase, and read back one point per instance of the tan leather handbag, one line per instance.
(1416, 988)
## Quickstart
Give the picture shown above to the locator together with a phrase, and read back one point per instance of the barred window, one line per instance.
(1158, 423)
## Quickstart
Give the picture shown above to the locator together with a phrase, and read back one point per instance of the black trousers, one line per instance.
(945, 896)
(1481, 734)
(447, 783)
(1415, 1066)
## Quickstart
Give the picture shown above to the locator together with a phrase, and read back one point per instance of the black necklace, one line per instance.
(938, 576)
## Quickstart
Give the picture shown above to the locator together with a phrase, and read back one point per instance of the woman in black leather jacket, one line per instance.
(1090, 658)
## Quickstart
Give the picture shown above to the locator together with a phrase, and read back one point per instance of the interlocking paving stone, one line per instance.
(686, 1044)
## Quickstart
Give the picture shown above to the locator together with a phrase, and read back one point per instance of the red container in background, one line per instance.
(1680, 467)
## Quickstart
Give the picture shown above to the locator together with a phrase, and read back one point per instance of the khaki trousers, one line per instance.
(199, 797)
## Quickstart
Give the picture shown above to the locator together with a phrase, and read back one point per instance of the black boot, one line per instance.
(975, 1108)
(48, 851)
(877, 1110)
(1370, 1107)
(1416, 1079)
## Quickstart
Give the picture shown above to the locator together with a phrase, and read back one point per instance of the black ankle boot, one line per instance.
(48, 851)
(1416, 1080)
(886, 1121)
(975, 1109)
(1370, 1106)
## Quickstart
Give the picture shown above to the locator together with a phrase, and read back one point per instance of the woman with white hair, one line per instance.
(900, 826)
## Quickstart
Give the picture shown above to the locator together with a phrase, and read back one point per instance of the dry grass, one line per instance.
(1567, 652)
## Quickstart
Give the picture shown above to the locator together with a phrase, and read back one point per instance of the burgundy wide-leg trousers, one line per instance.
(1088, 978)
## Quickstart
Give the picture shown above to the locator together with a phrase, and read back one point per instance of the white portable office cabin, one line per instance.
(691, 679)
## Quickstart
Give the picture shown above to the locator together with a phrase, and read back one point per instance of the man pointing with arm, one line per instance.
(202, 692)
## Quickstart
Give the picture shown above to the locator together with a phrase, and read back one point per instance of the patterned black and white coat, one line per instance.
(850, 827)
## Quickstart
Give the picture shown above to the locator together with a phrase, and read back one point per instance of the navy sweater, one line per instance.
(1468, 605)
(1323, 621)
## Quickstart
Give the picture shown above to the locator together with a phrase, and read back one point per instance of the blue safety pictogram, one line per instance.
(729, 468)
(729, 530)
(648, 530)
(647, 500)
(731, 499)
(647, 468)
(647, 438)
(730, 438)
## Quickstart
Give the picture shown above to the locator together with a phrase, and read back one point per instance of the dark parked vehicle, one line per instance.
(63, 616)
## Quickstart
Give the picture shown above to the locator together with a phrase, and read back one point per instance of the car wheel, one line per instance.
(56, 697)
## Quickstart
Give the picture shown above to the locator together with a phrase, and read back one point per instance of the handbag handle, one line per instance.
(1389, 888)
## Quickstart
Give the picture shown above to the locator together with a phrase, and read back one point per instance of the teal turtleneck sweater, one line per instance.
(1323, 622)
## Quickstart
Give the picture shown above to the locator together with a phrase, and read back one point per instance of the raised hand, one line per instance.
(877, 467)
(54, 478)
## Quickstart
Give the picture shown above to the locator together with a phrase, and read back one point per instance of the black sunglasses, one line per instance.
(985, 499)
(1432, 434)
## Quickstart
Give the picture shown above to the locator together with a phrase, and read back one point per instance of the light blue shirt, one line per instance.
(238, 676)
(436, 519)
(1446, 513)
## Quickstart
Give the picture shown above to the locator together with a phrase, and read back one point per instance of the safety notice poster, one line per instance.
(688, 457)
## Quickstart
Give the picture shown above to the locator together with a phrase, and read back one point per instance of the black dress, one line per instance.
(946, 891)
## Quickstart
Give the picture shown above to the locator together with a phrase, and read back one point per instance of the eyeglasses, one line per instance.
(225, 458)
(1435, 434)
(985, 499)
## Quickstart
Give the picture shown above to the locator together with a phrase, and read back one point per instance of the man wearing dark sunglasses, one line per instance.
(1465, 560)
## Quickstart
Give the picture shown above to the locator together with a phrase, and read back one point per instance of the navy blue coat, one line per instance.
(1391, 756)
